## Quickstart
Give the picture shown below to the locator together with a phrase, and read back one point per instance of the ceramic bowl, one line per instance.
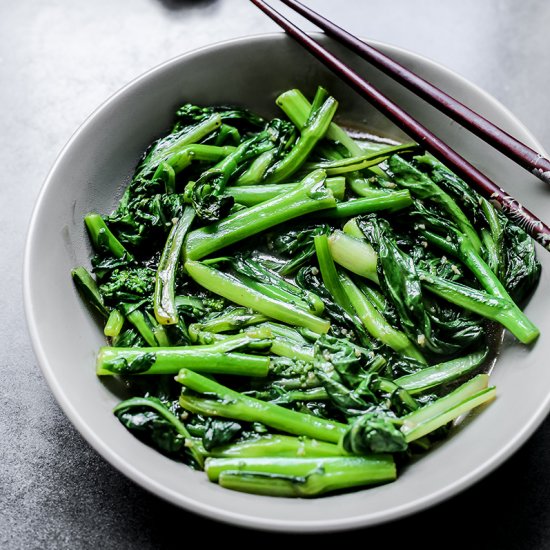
(91, 173)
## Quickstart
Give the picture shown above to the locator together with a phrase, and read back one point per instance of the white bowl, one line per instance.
(90, 174)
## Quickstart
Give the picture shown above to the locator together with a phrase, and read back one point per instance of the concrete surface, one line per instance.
(59, 59)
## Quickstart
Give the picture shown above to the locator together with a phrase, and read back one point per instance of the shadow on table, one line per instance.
(175, 5)
(506, 510)
(83, 502)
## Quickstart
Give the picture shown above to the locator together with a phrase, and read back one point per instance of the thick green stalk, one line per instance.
(103, 238)
(114, 324)
(376, 324)
(490, 251)
(311, 394)
(492, 307)
(353, 230)
(313, 131)
(140, 322)
(232, 404)
(320, 96)
(391, 201)
(481, 397)
(297, 108)
(257, 169)
(211, 359)
(277, 293)
(354, 254)
(330, 276)
(435, 408)
(495, 245)
(487, 278)
(442, 373)
(299, 477)
(277, 446)
(289, 343)
(227, 133)
(161, 336)
(364, 188)
(247, 149)
(292, 350)
(212, 153)
(446, 246)
(232, 289)
(284, 332)
(252, 195)
(311, 195)
(431, 417)
(467, 253)
(164, 303)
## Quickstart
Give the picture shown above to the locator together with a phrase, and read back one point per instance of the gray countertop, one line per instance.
(60, 59)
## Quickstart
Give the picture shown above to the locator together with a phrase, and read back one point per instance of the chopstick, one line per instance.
(508, 145)
(512, 208)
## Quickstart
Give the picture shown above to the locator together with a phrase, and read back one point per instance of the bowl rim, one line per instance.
(176, 497)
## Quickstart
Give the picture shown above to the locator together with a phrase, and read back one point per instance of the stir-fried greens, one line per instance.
(295, 311)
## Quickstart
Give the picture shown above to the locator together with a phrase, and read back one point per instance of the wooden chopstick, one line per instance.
(512, 208)
(493, 135)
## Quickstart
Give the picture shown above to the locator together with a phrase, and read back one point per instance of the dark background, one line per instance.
(59, 60)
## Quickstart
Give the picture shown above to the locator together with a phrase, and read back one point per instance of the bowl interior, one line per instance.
(91, 173)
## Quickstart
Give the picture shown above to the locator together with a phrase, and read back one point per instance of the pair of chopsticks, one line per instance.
(496, 137)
